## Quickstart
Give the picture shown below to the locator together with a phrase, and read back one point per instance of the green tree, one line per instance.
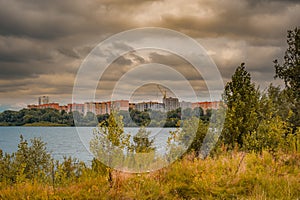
(189, 138)
(141, 141)
(270, 135)
(189, 126)
(8, 170)
(198, 112)
(32, 161)
(140, 118)
(142, 151)
(187, 113)
(289, 71)
(109, 142)
(278, 101)
(241, 98)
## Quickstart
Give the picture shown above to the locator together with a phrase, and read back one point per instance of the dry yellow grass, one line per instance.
(230, 176)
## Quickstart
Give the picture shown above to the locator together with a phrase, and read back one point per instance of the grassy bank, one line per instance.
(229, 176)
(44, 124)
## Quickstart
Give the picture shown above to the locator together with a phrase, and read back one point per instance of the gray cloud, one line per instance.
(237, 20)
(258, 2)
(69, 52)
(54, 19)
(14, 49)
(42, 43)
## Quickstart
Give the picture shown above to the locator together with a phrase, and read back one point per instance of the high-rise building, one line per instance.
(75, 107)
(89, 107)
(49, 105)
(171, 103)
(120, 105)
(43, 100)
(143, 106)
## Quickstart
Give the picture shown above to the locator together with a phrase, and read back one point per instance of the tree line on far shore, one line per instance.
(131, 118)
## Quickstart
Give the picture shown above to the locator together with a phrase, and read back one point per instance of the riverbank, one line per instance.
(38, 124)
(46, 124)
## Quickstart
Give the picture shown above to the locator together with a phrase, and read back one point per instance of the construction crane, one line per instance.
(163, 91)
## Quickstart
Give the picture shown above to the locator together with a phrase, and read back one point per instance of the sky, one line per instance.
(44, 43)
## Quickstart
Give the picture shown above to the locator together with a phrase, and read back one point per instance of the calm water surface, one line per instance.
(68, 141)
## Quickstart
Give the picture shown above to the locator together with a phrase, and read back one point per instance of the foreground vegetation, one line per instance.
(234, 175)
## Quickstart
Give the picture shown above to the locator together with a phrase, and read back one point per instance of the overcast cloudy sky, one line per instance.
(43, 43)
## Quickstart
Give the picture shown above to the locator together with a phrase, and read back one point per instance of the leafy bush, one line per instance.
(29, 162)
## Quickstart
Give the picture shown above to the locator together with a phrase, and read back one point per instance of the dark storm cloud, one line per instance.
(127, 4)
(55, 19)
(14, 49)
(69, 52)
(176, 62)
(13, 71)
(256, 2)
(122, 65)
(8, 87)
(133, 59)
(265, 24)
(32, 19)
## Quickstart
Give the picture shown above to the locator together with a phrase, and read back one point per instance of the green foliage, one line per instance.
(235, 175)
(272, 132)
(189, 138)
(98, 167)
(270, 135)
(199, 129)
(68, 171)
(257, 177)
(276, 102)
(133, 118)
(242, 100)
(254, 122)
(48, 117)
(152, 118)
(289, 71)
(8, 171)
(140, 118)
(29, 162)
(112, 146)
(35, 159)
(90, 119)
(109, 141)
(198, 112)
(141, 155)
(141, 142)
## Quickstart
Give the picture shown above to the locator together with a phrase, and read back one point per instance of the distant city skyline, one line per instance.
(105, 107)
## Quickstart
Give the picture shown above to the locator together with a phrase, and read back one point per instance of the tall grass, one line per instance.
(236, 175)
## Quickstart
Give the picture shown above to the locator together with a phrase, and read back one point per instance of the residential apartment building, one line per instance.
(43, 100)
(171, 103)
(207, 105)
(143, 106)
(79, 107)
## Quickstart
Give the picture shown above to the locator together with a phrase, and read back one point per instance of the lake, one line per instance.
(68, 141)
